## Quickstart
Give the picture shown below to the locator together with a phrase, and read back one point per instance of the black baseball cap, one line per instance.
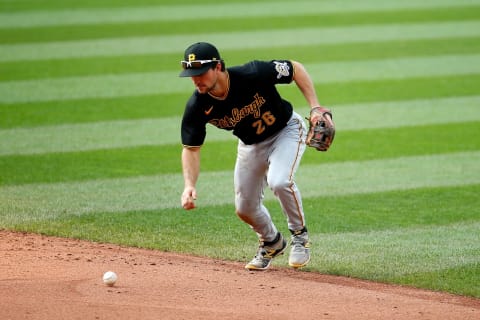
(198, 58)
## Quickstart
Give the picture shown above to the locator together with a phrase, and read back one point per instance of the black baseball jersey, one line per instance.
(253, 108)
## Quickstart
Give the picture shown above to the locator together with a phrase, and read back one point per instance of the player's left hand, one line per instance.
(322, 129)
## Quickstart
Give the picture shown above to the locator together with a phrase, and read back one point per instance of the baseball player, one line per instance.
(244, 100)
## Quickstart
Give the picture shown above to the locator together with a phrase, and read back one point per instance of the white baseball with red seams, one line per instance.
(109, 278)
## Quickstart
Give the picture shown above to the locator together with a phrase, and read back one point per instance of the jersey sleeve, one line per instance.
(193, 129)
(275, 71)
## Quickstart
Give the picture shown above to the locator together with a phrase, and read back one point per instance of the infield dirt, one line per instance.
(55, 278)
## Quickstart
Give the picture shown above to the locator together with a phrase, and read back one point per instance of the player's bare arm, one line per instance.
(321, 127)
(191, 170)
(305, 84)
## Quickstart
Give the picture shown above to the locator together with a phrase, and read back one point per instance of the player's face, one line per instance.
(206, 82)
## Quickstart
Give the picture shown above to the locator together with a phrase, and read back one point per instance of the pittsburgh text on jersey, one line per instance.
(238, 115)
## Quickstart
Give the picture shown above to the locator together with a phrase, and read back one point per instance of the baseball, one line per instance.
(109, 278)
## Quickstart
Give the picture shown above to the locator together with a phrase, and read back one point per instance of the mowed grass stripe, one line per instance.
(431, 248)
(185, 13)
(165, 159)
(103, 86)
(237, 40)
(171, 105)
(16, 6)
(165, 131)
(23, 70)
(239, 23)
(42, 5)
(47, 201)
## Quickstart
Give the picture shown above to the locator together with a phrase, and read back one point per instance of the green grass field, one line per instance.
(90, 109)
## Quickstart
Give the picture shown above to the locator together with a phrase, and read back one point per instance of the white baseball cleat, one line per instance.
(300, 249)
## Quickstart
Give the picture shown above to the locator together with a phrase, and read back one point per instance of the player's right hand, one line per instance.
(189, 196)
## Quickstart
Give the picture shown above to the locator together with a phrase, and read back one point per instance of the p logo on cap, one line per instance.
(198, 58)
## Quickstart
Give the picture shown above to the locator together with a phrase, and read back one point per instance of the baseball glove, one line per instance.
(321, 130)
